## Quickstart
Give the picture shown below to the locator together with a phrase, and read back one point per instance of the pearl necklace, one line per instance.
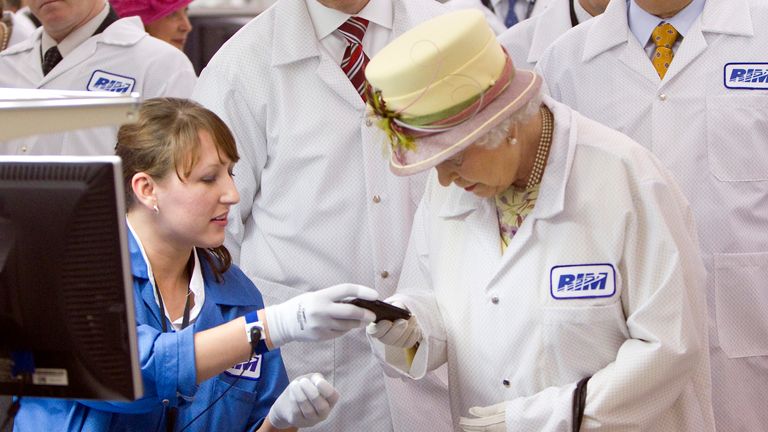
(547, 127)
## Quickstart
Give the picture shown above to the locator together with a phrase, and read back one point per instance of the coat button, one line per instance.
(495, 300)
(376, 199)
(506, 383)
(23, 149)
(384, 274)
(368, 122)
(663, 96)
(166, 402)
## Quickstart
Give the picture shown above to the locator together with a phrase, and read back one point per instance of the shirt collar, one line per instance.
(78, 36)
(581, 13)
(641, 23)
(327, 20)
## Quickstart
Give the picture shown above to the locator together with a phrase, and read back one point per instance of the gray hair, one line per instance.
(500, 132)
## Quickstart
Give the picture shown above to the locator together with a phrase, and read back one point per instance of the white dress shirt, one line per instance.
(326, 20)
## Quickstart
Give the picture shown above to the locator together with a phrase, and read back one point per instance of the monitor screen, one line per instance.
(66, 297)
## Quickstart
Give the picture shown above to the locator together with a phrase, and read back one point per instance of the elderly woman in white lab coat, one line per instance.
(552, 265)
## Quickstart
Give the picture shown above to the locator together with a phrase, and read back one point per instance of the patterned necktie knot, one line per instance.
(51, 58)
(354, 62)
(354, 29)
(664, 36)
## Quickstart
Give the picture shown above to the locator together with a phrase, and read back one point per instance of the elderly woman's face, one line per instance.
(484, 170)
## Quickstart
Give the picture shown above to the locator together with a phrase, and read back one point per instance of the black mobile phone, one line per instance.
(383, 311)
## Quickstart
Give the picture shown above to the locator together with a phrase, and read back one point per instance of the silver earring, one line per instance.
(512, 141)
(157, 210)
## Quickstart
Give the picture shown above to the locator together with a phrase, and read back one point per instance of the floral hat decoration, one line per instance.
(442, 85)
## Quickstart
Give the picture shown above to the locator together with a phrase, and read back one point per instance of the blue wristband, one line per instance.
(254, 331)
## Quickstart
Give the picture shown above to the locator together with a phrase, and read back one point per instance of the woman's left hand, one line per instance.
(306, 401)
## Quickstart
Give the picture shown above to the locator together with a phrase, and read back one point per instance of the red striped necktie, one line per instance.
(354, 62)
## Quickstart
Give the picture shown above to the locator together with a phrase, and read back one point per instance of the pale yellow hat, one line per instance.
(440, 86)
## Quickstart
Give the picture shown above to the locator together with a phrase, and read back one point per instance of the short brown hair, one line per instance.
(166, 139)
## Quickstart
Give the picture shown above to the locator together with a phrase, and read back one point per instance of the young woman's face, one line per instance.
(173, 28)
(193, 212)
(485, 171)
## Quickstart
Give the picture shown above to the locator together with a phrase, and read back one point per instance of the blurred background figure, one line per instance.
(21, 10)
(527, 41)
(502, 14)
(84, 45)
(13, 28)
(167, 21)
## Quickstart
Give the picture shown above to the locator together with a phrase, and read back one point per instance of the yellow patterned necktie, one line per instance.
(664, 36)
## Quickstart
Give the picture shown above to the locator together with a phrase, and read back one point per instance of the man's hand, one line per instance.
(400, 333)
(305, 402)
(486, 419)
(317, 315)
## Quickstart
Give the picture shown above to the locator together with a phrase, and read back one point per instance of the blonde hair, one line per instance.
(166, 140)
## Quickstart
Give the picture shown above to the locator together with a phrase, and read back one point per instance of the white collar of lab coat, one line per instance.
(76, 37)
(551, 18)
(326, 20)
(642, 23)
(727, 17)
(551, 198)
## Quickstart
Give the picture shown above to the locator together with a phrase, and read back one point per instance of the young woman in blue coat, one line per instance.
(203, 367)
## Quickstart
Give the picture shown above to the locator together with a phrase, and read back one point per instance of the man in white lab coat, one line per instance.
(82, 45)
(527, 41)
(706, 117)
(317, 204)
(553, 263)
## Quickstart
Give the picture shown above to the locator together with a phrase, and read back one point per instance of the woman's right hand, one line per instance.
(306, 401)
(318, 315)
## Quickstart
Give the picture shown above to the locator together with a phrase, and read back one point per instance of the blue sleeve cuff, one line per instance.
(176, 370)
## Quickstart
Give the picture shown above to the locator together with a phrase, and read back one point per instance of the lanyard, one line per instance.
(171, 413)
(574, 19)
(184, 320)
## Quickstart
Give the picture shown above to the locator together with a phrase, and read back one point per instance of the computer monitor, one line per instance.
(67, 325)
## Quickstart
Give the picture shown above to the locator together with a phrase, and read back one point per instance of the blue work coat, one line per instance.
(167, 362)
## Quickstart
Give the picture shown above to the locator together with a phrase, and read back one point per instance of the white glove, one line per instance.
(400, 333)
(486, 419)
(305, 402)
(316, 316)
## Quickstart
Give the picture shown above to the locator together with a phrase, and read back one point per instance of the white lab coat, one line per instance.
(496, 320)
(713, 139)
(526, 41)
(123, 52)
(318, 205)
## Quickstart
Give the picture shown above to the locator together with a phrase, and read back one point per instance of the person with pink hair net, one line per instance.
(166, 20)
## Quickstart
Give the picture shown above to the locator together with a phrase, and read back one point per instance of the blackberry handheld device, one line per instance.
(383, 310)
